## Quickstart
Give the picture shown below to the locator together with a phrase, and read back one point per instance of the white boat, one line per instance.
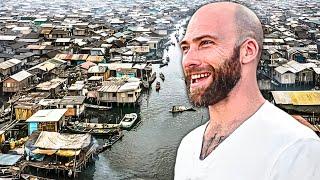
(128, 120)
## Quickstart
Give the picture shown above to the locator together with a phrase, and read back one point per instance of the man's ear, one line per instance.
(249, 51)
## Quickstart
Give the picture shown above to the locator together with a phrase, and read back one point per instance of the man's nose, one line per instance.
(191, 59)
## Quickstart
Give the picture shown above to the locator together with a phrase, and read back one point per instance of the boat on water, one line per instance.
(5, 115)
(158, 86)
(96, 129)
(33, 177)
(152, 78)
(163, 64)
(175, 109)
(128, 120)
(162, 76)
(145, 84)
(113, 139)
(5, 112)
(92, 106)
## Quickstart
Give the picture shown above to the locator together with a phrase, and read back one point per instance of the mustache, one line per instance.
(195, 70)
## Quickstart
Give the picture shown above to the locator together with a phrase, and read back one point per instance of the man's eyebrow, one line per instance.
(199, 38)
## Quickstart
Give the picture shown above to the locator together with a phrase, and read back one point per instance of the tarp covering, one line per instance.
(49, 152)
(67, 153)
(44, 151)
(9, 159)
(54, 140)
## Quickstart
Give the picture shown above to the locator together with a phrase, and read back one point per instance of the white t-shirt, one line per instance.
(270, 145)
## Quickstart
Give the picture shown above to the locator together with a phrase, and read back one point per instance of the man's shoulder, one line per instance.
(301, 157)
(278, 122)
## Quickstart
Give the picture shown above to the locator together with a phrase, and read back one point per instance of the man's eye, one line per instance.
(206, 42)
(184, 48)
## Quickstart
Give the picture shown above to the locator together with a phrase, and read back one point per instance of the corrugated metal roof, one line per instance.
(46, 102)
(95, 78)
(316, 70)
(294, 67)
(95, 58)
(9, 159)
(110, 86)
(297, 66)
(7, 38)
(87, 65)
(76, 87)
(72, 100)
(36, 47)
(10, 63)
(45, 31)
(15, 61)
(297, 97)
(61, 56)
(113, 88)
(78, 57)
(139, 66)
(61, 40)
(20, 28)
(281, 97)
(47, 115)
(281, 69)
(49, 64)
(122, 84)
(21, 75)
(267, 40)
(115, 66)
(53, 83)
(130, 86)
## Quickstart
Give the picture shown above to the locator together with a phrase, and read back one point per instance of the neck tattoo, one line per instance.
(211, 144)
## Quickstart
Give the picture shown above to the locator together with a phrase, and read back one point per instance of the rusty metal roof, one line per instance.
(75, 57)
(95, 58)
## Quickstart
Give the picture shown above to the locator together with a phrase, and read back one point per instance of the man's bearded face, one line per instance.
(209, 85)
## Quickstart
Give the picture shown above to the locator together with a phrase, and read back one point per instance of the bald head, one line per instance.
(248, 25)
(234, 17)
(221, 50)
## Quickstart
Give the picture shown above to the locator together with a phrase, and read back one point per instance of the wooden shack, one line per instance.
(77, 89)
(63, 153)
(10, 67)
(24, 111)
(47, 120)
(17, 82)
(120, 90)
(53, 86)
(74, 104)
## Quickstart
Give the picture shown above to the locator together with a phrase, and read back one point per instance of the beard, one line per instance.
(224, 79)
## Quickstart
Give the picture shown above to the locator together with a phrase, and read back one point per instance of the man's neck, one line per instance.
(235, 109)
(227, 115)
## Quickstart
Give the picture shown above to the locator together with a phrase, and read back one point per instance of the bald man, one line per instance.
(246, 137)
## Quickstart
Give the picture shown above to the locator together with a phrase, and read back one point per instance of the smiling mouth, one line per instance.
(195, 78)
